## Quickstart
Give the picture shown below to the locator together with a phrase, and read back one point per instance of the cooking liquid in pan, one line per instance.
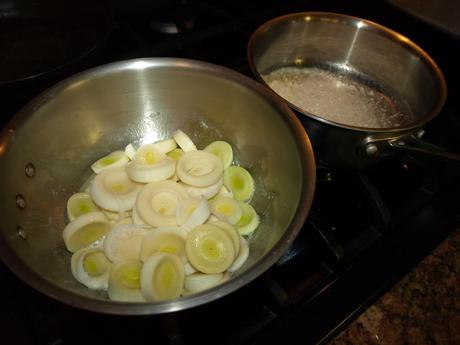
(338, 96)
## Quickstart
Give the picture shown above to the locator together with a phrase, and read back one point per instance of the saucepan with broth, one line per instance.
(361, 90)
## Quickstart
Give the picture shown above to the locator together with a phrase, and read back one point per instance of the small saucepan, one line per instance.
(361, 90)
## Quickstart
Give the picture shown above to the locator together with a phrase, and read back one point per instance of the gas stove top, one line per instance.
(366, 228)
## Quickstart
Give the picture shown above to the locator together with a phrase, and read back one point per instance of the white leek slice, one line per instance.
(124, 242)
(224, 191)
(116, 216)
(112, 160)
(174, 178)
(162, 277)
(192, 212)
(232, 232)
(175, 154)
(80, 203)
(189, 269)
(225, 278)
(184, 141)
(209, 249)
(197, 282)
(212, 218)
(165, 146)
(130, 151)
(136, 218)
(226, 209)
(223, 150)
(113, 190)
(167, 240)
(240, 182)
(125, 282)
(150, 165)
(205, 192)
(249, 220)
(185, 208)
(127, 220)
(199, 168)
(242, 256)
(157, 202)
(85, 230)
(91, 267)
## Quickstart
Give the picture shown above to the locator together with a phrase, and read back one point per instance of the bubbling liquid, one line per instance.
(338, 97)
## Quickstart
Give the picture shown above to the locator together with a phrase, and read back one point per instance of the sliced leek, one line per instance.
(192, 212)
(125, 282)
(212, 218)
(162, 277)
(112, 160)
(162, 220)
(209, 249)
(175, 154)
(150, 165)
(199, 168)
(136, 218)
(224, 191)
(232, 232)
(113, 190)
(165, 146)
(174, 178)
(240, 182)
(189, 269)
(249, 220)
(223, 150)
(167, 240)
(78, 204)
(184, 141)
(205, 192)
(242, 256)
(226, 209)
(91, 267)
(130, 151)
(197, 282)
(116, 216)
(124, 242)
(85, 230)
(185, 208)
(157, 202)
(127, 220)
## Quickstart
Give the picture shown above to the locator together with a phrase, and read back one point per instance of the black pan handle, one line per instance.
(412, 144)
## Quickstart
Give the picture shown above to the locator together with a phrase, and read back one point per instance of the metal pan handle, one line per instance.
(412, 144)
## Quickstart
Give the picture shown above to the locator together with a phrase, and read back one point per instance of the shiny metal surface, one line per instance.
(63, 130)
(378, 55)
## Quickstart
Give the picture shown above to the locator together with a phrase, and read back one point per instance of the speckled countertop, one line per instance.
(422, 308)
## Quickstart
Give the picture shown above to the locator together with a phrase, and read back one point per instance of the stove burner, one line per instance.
(174, 19)
(184, 17)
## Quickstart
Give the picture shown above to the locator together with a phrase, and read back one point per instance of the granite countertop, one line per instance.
(422, 308)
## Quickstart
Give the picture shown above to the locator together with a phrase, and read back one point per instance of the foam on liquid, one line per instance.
(337, 97)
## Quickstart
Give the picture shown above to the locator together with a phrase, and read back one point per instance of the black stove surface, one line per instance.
(366, 228)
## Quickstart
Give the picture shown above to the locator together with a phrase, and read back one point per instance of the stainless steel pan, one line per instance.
(46, 150)
(360, 50)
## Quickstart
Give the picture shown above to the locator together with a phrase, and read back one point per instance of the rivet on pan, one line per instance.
(20, 201)
(30, 170)
(21, 232)
(371, 149)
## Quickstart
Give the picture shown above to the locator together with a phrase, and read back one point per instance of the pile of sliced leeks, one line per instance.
(160, 222)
